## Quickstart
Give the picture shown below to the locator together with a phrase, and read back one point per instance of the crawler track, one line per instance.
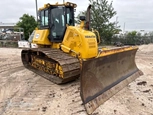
(52, 64)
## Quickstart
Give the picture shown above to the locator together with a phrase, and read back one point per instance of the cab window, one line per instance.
(44, 18)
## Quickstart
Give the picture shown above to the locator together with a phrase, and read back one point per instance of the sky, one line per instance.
(131, 14)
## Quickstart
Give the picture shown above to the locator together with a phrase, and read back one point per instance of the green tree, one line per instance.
(28, 23)
(101, 13)
(151, 36)
(133, 38)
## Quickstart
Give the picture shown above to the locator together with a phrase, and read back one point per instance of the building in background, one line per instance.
(9, 31)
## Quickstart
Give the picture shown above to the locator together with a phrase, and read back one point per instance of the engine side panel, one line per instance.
(81, 41)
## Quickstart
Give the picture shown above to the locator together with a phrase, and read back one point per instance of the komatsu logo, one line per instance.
(37, 35)
(90, 36)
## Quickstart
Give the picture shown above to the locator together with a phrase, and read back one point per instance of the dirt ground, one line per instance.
(22, 92)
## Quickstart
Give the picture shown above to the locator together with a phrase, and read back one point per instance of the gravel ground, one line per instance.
(22, 92)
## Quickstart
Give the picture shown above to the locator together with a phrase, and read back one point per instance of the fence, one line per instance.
(9, 40)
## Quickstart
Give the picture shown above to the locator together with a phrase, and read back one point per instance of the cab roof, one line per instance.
(57, 4)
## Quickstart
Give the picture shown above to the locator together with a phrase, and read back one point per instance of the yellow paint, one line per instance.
(46, 66)
(98, 36)
(57, 4)
(81, 41)
(115, 50)
(55, 45)
(41, 37)
(77, 41)
(59, 71)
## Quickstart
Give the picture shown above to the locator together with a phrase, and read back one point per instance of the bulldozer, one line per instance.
(66, 52)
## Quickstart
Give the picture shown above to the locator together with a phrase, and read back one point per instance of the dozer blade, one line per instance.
(103, 77)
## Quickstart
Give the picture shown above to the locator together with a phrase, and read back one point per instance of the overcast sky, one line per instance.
(134, 14)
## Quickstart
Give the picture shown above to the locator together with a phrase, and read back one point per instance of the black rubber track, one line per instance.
(70, 65)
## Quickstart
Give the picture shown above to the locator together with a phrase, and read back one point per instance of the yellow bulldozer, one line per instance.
(66, 52)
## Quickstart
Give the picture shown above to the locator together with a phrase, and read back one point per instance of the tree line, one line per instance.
(102, 12)
(133, 38)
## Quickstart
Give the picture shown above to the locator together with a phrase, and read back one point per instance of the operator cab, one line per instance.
(55, 18)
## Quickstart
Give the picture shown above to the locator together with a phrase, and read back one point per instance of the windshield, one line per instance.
(60, 16)
(44, 18)
(58, 22)
(55, 19)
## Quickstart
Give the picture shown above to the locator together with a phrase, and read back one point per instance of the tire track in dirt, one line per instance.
(49, 95)
(33, 95)
(5, 76)
(15, 92)
(5, 106)
(75, 104)
(13, 82)
(63, 98)
(23, 98)
(33, 99)
(7, 67)
(12, 70)
(143, 89)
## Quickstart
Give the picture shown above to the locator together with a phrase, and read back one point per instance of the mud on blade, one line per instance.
(102, 77)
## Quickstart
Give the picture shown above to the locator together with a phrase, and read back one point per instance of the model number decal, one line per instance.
(90, 36)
